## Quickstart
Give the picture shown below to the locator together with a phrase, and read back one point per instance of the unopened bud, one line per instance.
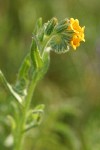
(50, 26)
(62, 26)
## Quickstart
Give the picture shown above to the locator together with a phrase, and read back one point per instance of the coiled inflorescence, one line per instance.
(59, 36)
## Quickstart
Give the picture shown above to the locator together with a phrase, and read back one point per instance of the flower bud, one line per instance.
(62, 26)
(50, 26)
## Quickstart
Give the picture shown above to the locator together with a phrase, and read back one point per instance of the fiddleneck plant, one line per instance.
(51, 36)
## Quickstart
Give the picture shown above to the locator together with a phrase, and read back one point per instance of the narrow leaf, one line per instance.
(23, 71)
(38, 26)
(9, 88)
(23, 78)
(35, 56)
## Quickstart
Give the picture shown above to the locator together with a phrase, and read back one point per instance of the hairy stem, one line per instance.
(19, 135)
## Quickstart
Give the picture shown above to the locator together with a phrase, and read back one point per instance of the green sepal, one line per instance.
(59, 44)
(50, 26)
(61, 28)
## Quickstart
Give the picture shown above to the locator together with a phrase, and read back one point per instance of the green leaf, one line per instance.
(24, 69)
(23, 78)
(38, 26)
(39, 30)
(9, 88)
(38, 109)
(37, 113)
(34, 117)
(35, 56)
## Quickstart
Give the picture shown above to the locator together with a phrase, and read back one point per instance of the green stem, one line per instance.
(46, 42)
(19, 135)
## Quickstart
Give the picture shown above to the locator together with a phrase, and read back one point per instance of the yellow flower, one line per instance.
(75, 42)
(78, 35)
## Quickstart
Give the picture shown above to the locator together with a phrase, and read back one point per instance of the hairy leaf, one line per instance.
(9, 88)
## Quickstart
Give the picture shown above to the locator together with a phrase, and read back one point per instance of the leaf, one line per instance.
(23, 78)
(37, 113)
(34, 117)
(23, 71)
(38, 26)
(9, 88)
(35, 56)
(34, 120)
(39, 30)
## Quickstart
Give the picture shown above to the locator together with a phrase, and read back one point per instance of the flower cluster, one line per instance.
(78, 35)
(58, 36)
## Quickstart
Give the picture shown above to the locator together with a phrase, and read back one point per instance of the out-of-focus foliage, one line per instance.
(71, 87)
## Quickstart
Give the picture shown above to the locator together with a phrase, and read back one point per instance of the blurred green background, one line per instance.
(70, 89)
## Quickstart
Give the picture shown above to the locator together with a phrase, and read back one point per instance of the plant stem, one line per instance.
(19, 135)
